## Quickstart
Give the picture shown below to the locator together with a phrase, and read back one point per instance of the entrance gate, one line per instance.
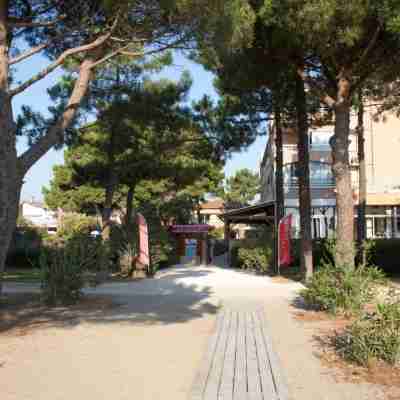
(193, 243)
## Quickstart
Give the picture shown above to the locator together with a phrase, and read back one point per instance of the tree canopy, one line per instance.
(241, 188)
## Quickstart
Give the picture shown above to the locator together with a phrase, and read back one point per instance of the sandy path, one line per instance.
(150, 347)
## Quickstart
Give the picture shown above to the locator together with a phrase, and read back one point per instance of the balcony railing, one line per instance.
(320, 147)
(314, 183)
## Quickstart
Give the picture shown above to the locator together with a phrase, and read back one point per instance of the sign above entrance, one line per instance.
(200, 228)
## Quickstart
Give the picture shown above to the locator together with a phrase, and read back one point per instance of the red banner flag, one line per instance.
(285, 227)
(144, 258)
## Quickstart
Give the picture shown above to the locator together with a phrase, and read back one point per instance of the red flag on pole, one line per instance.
(144, 258)
(285, 227)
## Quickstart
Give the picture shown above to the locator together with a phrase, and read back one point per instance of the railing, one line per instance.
(313, 147)
(320, 147)
(314, 183)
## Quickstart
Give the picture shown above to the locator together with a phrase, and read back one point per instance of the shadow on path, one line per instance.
(166, 299)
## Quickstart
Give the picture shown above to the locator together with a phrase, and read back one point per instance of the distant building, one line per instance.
(382, 149)
(39, 215)
(211, 212)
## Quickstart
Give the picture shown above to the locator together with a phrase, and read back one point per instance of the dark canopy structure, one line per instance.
(258, 214)
(262, 213)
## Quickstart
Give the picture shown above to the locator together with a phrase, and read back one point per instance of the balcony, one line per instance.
(320, 175)
(320, 147)
(314, 182)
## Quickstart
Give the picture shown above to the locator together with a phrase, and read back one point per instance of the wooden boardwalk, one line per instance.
(240, 363)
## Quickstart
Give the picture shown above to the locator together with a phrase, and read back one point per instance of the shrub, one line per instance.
(123, 248)
(74, 224)
(323, 252)
(66, 268)
(217, 233)
(25, 246)
(257, 258)
(385, 253)
(373, 336)
(338, 289)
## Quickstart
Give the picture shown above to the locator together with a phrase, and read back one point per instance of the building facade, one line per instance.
(211, 213)
(382, 147)
(39, 215)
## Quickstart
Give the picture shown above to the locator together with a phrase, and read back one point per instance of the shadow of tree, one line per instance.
(299, 303)
(162, 300)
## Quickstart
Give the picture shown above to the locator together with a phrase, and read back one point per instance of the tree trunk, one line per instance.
(280, 197)
(10, 176)
(306, 253)
(362, 184)
(129, 206)
(344, 195)
(10, 189)
(279, 193)
(108, 205)
(13, 167)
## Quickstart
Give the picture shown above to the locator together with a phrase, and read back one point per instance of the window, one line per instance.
(320, 174)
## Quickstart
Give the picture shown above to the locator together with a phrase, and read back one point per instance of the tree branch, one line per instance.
(61, 59)
(28, 53)
(322, 95)
(128, 53)
(20, 23)
(52, 136)
(370, 46)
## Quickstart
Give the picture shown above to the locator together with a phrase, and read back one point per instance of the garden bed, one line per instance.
(325, 328)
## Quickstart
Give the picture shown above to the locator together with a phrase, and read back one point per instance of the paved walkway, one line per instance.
(240, 362)
(150, 345)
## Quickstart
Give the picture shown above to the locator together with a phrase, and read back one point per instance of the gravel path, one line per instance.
(150, 346)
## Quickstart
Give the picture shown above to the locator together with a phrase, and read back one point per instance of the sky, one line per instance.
(37, 98)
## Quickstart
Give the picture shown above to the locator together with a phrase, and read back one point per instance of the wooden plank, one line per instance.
(280, 381)
(240, 383)
(214, 377)
(266, 378)
(228, 372)
(253, 371)
(201, 379)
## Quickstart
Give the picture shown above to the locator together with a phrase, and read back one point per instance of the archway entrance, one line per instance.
(193, 243)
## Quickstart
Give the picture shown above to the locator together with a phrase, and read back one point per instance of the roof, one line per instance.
(258, 213)
(212, 204)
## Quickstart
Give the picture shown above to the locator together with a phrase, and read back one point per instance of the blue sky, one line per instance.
(36, 97)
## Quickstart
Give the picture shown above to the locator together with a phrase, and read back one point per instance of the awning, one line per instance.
(262, 213)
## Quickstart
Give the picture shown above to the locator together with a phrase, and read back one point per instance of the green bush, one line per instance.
(323, 252)
(386, 254)
(123, 248)
(67, 266)
(339, 289)
(382, 252)
(24, 251)
(217, 233)
(256, 259)
(373, 336)
(73, 224)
